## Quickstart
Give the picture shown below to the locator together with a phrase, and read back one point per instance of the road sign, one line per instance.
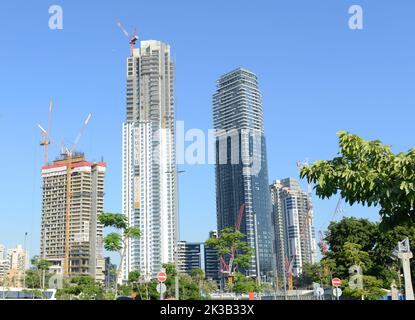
(161, 288)
(161, 276)
(337, 292)
(336, 282)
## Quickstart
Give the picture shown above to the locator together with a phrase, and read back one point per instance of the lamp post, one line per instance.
(176, 238)
(24, 261)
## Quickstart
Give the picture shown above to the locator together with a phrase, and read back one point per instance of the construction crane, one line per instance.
(79, 136)
(338, 209)
(45, 142)
(132, 39)
(68, 156)
(226, 268)
(323, 244)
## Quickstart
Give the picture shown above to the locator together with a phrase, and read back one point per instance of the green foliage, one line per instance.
(115, 220)
(132, 233)
(34, 293)
(386, 242)
(81, 288)
(359, 241)
(243, 284)
(355, 256)
(367, 172)
(113, 242)
(34, 279)
(205, 286)
(346, 236)
(198, 274)
(372, 289)
(40, 264)
(133, 276)
(191, 287)
(232, 241)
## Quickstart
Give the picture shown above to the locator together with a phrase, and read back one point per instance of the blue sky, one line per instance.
(316, 75)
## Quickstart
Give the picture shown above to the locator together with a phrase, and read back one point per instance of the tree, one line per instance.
(386, 241)
(359, 241)
(42, 266)
(369, 173)
(114, 242)
(231, 245)
(244, 284)
(205, 286)
(188, 286)
(81, 288)
(372, 289)
(355, 256)
(345, 236)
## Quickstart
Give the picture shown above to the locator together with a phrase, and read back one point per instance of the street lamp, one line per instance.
(24, 261)
(176, 240)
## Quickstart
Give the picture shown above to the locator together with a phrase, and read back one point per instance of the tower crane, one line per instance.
(45, 142)
(68, 154)
(132, 39)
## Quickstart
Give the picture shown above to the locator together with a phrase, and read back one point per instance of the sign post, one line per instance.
(161, 287)
(336, 283)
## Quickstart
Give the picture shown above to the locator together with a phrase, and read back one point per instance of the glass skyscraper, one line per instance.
(241, 166)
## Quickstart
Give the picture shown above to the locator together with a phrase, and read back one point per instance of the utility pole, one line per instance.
(25, 260)
(177, 230)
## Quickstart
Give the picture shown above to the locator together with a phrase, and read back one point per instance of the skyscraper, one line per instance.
(73, 197)
(294, 231)
(149, 166)
(241, 165)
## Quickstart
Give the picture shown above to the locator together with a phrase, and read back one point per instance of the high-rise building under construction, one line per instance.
(149, 165)
(73, 198)
(294, 230)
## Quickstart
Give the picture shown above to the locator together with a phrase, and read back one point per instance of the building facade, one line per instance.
(110, 273)
(190, 256)
(294, 230)
(212, 270)
(13, 263)
(241, 166)
(148, 163)
(73, 197)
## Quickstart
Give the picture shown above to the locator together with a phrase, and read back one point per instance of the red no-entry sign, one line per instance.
(161, 276)
(336, 282)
